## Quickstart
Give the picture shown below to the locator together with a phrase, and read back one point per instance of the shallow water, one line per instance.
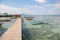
(49, 31)
(5, 26)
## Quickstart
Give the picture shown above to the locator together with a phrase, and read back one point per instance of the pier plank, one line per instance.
(14, 32)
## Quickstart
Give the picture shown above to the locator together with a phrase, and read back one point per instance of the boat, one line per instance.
(39, 22)
(1, 24)
(4, 19)
(29, 18)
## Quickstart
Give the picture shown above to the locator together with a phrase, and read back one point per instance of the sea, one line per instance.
(5, 26)
(49, 31)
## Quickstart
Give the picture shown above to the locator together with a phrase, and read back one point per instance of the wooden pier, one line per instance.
(14, 32)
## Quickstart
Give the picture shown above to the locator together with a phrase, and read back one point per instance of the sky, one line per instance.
(31, 7)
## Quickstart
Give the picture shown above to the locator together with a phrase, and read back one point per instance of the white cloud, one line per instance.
(14, 10)
(10, 10)
(41, 1)
(32, 10)
(45, 9)
(58, 5)
(56, 9)
(34, 6)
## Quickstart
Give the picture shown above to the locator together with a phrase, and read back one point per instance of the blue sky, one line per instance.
(33, 7)
(22, 3)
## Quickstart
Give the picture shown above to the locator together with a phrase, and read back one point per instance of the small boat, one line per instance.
(1, 24)
(38, 22)
(4, 19)
(29, 18)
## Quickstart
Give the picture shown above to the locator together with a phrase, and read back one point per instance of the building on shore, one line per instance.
(16, 15)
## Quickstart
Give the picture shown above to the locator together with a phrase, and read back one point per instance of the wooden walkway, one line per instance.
(14, 32)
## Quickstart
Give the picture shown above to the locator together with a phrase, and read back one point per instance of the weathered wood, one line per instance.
(14, 32)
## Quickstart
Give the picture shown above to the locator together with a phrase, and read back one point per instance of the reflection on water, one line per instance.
(6, 25)
(49, 31)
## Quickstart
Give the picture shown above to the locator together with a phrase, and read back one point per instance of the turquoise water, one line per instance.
(5, 26)
(49, 31)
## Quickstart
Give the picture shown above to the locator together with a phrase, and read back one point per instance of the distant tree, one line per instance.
(0, 14)
(5, 14)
